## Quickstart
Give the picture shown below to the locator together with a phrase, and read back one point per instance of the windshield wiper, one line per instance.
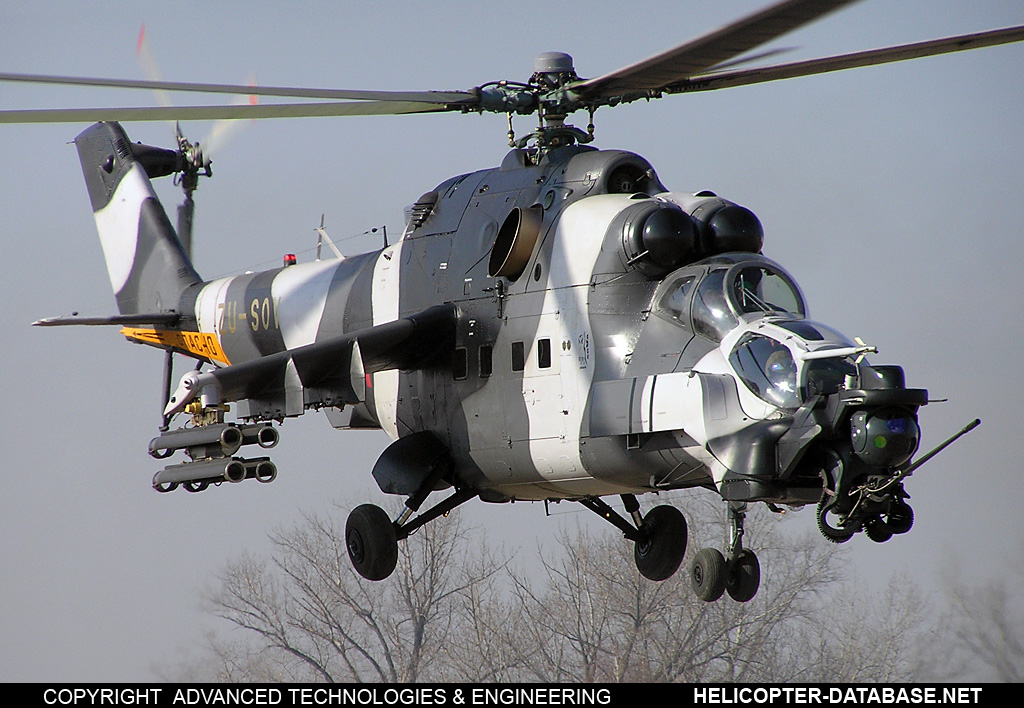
(764, 307)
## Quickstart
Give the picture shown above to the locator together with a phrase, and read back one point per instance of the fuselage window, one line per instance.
(460, 364)
(518, 356)
(486, 360)
(544, 353)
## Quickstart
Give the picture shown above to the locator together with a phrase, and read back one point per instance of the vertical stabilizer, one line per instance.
(146, 263)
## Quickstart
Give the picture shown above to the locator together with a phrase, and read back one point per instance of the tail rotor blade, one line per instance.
(227, 128)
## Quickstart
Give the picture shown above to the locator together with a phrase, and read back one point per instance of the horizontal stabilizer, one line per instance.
(332, 372)
(164, 319)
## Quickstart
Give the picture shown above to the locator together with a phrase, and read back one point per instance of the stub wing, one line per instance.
(333, 372)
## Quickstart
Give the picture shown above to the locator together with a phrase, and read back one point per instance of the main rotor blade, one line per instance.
(439, 97)
(751, 58)
(279, 110)
(699, 55)
(870, 57)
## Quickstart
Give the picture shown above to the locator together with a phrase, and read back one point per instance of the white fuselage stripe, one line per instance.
(385, 298)
(300, 295)
(576, 248)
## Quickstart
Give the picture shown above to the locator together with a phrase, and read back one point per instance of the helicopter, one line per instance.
(633, 339)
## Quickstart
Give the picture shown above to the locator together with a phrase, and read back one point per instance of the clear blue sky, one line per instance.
(893, 195)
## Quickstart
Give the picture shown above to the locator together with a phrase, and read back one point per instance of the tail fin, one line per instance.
(146, 263)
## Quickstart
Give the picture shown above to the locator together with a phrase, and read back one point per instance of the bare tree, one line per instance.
(450, 613)
(873, 636)
(595, 618)
(984, 626)
(483, 642)
(316, 620)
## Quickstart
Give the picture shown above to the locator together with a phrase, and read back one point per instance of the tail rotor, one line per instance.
(194, 163)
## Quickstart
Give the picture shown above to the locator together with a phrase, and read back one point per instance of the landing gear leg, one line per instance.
(744, 572)
(372, 537)
(659, 537)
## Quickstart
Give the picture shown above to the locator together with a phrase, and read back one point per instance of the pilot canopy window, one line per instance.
(767, 368)
(714, 305)
(712, 317)
(676, 302)
(760, 290)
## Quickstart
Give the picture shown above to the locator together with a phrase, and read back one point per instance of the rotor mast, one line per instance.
(548, 93)
(552, 73)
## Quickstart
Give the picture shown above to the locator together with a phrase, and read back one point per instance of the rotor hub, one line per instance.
(553, 69)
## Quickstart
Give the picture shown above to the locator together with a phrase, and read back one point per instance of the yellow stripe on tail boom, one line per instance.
(201, 344)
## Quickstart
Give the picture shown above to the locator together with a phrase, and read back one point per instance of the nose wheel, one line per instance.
(713, 573)
(898, 519)
(880, 519)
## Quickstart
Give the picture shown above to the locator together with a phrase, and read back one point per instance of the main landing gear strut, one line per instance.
(659, 539)
(659, 536)
(372, 537)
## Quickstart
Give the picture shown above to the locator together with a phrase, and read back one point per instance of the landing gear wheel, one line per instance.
(371, 541)
(744, 577)
(827, 530)
(878, 530)
(900, 517)
(659, 556)
(708, 574)
(196, 486)
(165, 487)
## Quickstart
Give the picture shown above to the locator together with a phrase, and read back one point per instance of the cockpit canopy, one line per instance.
(772, 364)
(770, 352)
(767, 368)
(712, 297)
